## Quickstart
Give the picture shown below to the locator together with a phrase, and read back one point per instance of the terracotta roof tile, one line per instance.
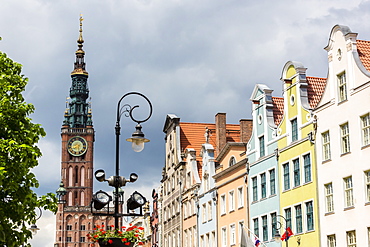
(278, 109)
(192, 135)
(315, 89)
(363, 49)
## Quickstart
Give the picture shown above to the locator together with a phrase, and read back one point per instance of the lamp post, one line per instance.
(101, 198)
(277, 236)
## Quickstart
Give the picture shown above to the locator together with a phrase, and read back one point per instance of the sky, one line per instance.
(190, 58)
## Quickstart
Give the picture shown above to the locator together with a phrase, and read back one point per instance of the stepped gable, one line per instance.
(278, 109)
(315, 88)
(363, 49)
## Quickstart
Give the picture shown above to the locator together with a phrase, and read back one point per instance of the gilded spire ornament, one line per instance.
(79, 67)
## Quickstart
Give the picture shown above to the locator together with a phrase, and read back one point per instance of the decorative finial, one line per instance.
(80, 39)
(206, 135)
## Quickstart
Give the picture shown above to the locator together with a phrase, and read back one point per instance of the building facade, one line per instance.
(343, 142)
(231, 180)
(296, 154)
(263, 182)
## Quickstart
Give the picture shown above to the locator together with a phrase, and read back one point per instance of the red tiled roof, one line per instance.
(315, 89)
(192, 135)
(278, 109)
(363, 49)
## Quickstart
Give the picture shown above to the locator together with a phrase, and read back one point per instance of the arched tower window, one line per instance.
(76, 174)
(82, 198)
(70, 176)
(82, 176)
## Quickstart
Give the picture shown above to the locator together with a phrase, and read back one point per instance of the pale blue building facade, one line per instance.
(262, 164)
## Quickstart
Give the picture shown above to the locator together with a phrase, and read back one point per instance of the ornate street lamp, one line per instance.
(136, 200)
(277, 236)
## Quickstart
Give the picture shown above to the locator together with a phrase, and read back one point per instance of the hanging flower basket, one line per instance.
(126, 237)
(114, 242)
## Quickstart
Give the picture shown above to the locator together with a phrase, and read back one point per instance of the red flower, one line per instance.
(124, 239)
(110, 241)
(112, 226)
(127, 243)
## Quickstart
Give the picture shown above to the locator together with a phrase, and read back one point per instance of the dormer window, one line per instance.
(262, 145)
(294, 130)
(342, 87)
(232, 161)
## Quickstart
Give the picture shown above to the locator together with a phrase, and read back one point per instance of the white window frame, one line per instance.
(344, 136)
(240, 191)
(224, 236)
(209, 210)
(367, 183)
(223, 204)
(351, 238)
(365, 127)
(231, 200)
(331, 240)
(232, 234)
(329, 200)
(348, 192)
(204, 212)
(326, 152)
(342, 87)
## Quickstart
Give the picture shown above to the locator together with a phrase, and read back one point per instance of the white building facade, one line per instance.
(343, 142)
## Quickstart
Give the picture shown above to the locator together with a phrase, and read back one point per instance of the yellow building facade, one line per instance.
(296, 156)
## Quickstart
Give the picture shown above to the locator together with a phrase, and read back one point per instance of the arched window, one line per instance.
(70, 176)
(76, 174)
(82, 176)
(232, 161)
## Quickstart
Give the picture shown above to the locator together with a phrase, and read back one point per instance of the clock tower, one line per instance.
(74, 219)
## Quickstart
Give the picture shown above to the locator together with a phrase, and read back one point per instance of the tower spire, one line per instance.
(78, 114)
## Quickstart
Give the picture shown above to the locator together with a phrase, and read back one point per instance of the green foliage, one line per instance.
(18, 155)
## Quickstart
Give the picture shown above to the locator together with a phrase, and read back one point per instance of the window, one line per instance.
(240, 228)
(329, 197)
(82, 239)
(286, 176)
(273, 223)
(255, 227)
(254, 188)
(209, 210)
(331, 241)
(231, 201)
(351, 239)
(348, 192)
(309, 216)
(297, 173)
(307, 168)
(82, 227)
(342, 88)
(204, 213)
(213, 243)
(69, 227)
(68, 239)
(223, 204)
(263, 185)
(188, 179)
(264, 228)
(185, 210)
(326, 146)
(365, 120)
(202, 241)
(272, 182)
(367, 182)
(344, 134)
(262, 145)
(288, 217)
(232, 234)
(232, 161)
(298, 218)
(223, 236)
(294, 129)
(240, 197)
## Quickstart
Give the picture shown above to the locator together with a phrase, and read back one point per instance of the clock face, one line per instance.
(77, 146)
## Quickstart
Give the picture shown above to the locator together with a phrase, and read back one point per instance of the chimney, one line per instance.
(220, 120)
(245, 129)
